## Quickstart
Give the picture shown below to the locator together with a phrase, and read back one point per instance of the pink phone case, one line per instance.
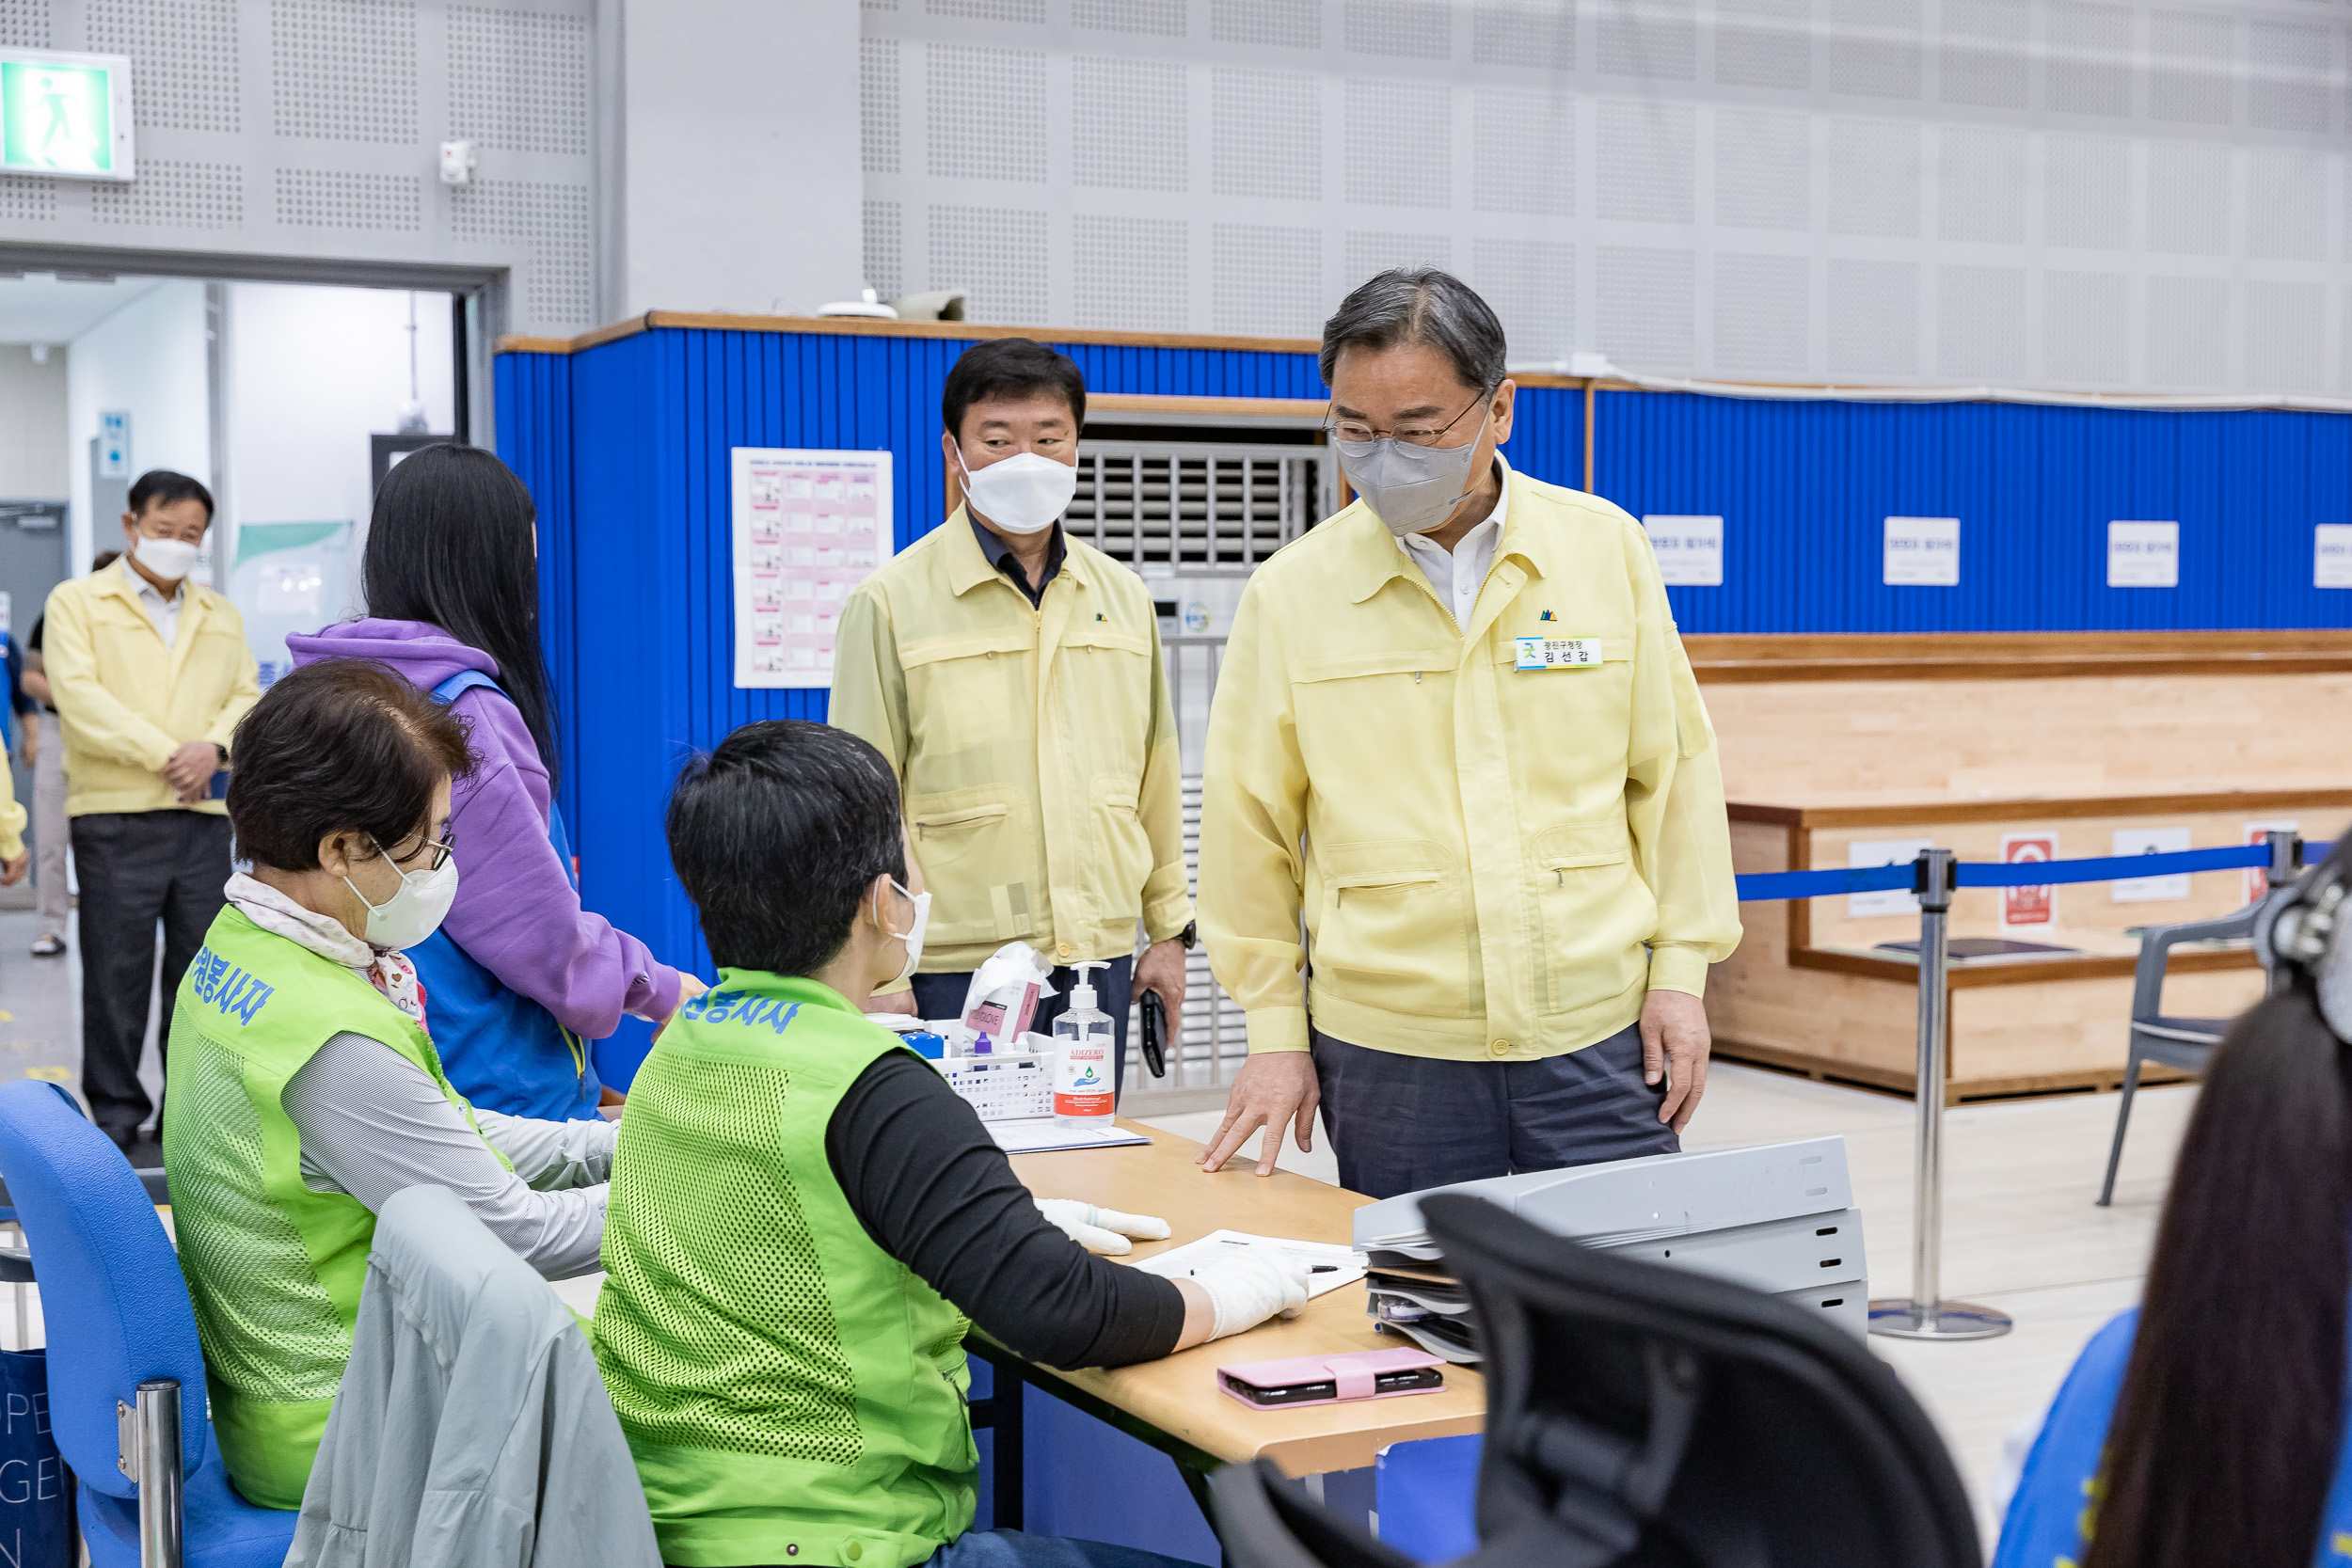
(1353, 1374)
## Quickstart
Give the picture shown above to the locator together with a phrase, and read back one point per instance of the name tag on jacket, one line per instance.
(1559, 653)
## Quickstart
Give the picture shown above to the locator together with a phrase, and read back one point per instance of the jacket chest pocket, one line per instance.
(1367, 715)
(961, 690)
(1103, 682)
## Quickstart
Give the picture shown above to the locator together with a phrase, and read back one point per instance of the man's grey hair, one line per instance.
(1420, 305)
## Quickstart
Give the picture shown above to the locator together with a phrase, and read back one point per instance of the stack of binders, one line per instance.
(1423, 1305)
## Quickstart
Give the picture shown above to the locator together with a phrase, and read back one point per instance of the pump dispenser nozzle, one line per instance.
(1082, 993)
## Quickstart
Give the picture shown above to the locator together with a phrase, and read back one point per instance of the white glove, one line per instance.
(1100, 1230)
(1247, 1287)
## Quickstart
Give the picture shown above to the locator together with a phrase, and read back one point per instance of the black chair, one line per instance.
(1642, 1416)
(2186, 1043)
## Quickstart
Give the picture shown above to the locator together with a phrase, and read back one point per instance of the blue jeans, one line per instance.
(1400, 1124)
(942, 996)
(1012, 1548)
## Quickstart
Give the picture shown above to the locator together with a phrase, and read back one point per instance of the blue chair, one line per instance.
(1427, 1493)
(119, 1318)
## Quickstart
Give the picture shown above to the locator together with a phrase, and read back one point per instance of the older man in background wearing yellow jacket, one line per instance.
(150, 672)
(1455, 734)
(1013, 676)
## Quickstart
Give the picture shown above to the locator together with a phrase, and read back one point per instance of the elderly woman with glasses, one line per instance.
(306, 1085)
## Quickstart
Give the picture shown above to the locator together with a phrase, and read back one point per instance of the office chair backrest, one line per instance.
(112, 1298)
(1641, 1414)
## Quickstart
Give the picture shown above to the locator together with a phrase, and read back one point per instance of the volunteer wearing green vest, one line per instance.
(308, 1086)
(804, 1214)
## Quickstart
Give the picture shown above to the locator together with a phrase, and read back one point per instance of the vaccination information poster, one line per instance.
(809, 527)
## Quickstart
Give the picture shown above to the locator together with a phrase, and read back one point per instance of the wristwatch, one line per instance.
(1190, 934)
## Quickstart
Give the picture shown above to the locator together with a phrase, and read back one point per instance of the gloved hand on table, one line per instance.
(1249, 1287)
(1101, 1230)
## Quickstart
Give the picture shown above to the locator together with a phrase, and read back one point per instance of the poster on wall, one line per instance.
(288, 577)
(2028, 909)
(2331, 555)
(2151, 840)
(1690, 551)
(1921, 552)
(1865, 852)
(809, 527)
(2143, 555)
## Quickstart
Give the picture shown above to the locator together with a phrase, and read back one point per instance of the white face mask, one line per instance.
(413, 912)
(911, 936)
(169, 559)
(1023, 494)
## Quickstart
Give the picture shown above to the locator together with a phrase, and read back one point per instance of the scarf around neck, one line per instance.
(387, 969)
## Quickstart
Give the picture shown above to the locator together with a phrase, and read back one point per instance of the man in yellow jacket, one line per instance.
(1013, 677)
(1457, 736)
(150, 673)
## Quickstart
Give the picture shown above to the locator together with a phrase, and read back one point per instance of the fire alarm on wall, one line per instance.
(457, 163)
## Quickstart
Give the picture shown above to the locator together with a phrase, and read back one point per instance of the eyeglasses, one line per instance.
(441, 853)
(1411, 435)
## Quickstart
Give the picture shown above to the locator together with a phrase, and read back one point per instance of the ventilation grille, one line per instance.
(885, 264)
(1250, 111)
(518, 79)
(186, 55)
(1283, 23)
(999, 254)
(344, 70)
(1203, 508)
(1131, 274)
(1130, 121)
(1268, 280)
(551, 221)
(331, 198)
(878, 105)
(1156, 18)
(986, 112)
(172, 194)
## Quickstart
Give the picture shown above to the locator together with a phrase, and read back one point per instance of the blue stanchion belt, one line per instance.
(1767, 885)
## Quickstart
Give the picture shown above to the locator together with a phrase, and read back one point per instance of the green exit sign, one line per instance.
(65, 116)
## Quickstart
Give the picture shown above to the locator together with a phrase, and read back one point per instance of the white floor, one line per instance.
(2021, 1230)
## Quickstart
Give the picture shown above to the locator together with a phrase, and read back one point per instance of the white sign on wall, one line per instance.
(1922, 552)
(1884, 852)
(2151, 840)
(114, 443)
(2143, 555)
(809, 527)
(1690, 551)
(2331, 555)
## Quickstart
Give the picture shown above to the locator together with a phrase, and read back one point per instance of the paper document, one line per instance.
(1040, 1135)
(1342, 1265)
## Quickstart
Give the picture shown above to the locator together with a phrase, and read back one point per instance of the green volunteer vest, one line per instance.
(274, 1268)
(793, 1393)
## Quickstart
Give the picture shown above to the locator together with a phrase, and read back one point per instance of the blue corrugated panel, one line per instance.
(1548, 434)
(638, 577)
(1805, 488)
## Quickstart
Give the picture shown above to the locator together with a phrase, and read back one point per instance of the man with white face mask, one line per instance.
(150, 672)
(1456, 738)
(1011, 676)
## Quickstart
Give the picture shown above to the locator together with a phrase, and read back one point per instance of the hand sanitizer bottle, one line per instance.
(1083, 1077)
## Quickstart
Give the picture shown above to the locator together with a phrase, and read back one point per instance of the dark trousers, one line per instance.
(138, 867)
(942, 996)
(1400, 1124)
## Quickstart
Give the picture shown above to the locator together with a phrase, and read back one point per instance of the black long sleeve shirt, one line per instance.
(933, 1191)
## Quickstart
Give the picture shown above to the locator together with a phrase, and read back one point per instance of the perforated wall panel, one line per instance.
(879, 115)
(996, 252)
(884, 252)
(311, 128)
(1131, 273)
(2079, 192)
(344, 69)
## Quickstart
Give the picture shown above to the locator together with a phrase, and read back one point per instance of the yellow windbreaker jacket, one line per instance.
(1036, 747)
(1491, 862)
(126, 701)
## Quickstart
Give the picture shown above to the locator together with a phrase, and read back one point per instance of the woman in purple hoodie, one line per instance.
(520, 977)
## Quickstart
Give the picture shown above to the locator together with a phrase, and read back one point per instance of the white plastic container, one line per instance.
(1084, 1077)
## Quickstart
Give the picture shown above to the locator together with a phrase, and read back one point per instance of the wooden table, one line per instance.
(1173, 1404)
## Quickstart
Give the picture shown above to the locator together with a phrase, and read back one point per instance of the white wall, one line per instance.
(147, 358)
(731, 178)
(32, 464)
(309, 374)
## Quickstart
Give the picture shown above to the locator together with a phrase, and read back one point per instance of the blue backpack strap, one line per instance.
(461, 683)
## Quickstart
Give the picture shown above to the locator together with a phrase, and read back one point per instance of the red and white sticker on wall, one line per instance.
(2258, 879)
(2028, 907)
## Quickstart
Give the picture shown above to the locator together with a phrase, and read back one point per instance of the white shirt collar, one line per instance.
(1456, 575)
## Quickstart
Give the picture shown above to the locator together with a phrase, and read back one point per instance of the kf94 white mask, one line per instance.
(1020, 494)
(415, 911)
(169, 559)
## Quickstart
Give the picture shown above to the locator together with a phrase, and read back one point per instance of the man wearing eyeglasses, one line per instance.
(1456, 739)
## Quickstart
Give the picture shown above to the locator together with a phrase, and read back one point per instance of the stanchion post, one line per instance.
(1924, 1314)
(149, 1437)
